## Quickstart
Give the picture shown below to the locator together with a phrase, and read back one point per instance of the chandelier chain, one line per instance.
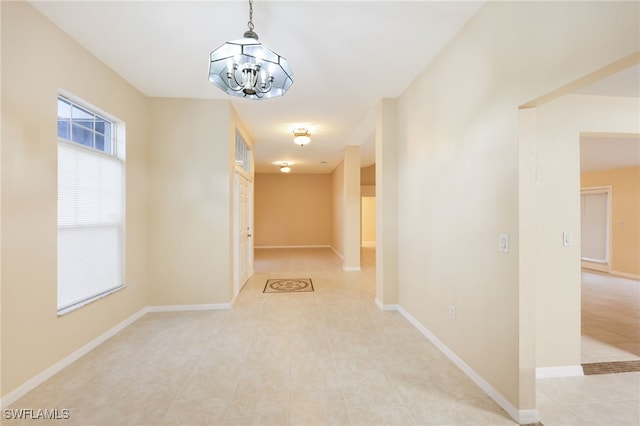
(250, 23)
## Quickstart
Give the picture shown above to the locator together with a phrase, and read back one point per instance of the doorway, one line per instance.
(368, 221)
(552, 130)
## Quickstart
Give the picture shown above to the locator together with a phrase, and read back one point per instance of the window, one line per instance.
(243, 154)
(594, 221)
(82, 126)
(90, 206)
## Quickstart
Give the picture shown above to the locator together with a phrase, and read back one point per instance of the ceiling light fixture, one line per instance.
(285, 168)
(301, 136)
(247, 68)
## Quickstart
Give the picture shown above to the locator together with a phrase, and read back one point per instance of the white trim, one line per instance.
(555, 372)
(599, 264)
(595, 266)
(351, 268)
(85, 302)
(384, 307)
(294, 247)
(520, 416)
(625, 275)
(43, 376)
(184, 308)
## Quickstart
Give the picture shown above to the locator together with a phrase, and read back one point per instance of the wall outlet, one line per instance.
(452, 312)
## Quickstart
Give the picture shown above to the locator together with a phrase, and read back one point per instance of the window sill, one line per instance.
(79, 305)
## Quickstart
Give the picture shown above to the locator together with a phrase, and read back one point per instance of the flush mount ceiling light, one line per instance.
(285, 168)
(247, 68)
(301, 136)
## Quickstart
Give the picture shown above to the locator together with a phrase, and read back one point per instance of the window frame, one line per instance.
(117, 154)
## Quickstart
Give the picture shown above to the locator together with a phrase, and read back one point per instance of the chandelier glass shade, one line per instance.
(247, 68)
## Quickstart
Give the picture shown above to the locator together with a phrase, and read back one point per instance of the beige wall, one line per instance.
(625, 215)
(368, 176)
(557, 193)
(178, 197)
(190, 190)
(387, 219)
(37, 60)
(292, 209)
(368, 232)
(337, 209)
(466, 166)
(351, 212)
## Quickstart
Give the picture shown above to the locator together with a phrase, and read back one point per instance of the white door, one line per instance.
(244, 239)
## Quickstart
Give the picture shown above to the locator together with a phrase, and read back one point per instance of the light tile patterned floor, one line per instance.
(610, 332)
(328, 357)
(610, 318)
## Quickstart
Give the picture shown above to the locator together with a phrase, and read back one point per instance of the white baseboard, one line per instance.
(563, 371)
(198, 307)
(520, 416)
(384, 307)
(34, 382)
(596, 266)
(292, 247)
(625, 275)
(40, 378)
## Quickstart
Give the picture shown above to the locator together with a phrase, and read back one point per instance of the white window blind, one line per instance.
(595, 227)
(90, 224)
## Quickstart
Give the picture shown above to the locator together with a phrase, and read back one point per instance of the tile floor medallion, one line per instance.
(288, 285)
(611, 367)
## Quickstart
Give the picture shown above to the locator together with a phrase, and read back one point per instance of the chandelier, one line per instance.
(247, 68)
(301, 136)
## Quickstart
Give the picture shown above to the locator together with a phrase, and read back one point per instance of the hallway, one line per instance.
(328, 357)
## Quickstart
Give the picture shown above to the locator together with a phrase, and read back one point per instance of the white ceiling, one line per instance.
(345, 57)
(607, 152)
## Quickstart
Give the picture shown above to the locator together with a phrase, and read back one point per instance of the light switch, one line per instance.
(567, 238)
(503, 243)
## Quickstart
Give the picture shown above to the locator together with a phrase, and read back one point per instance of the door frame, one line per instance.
(590, 263)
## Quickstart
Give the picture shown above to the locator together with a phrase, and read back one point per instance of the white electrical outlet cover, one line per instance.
(503, 243)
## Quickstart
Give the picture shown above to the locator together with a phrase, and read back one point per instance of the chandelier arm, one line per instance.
(266, 87)
(230, 75)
